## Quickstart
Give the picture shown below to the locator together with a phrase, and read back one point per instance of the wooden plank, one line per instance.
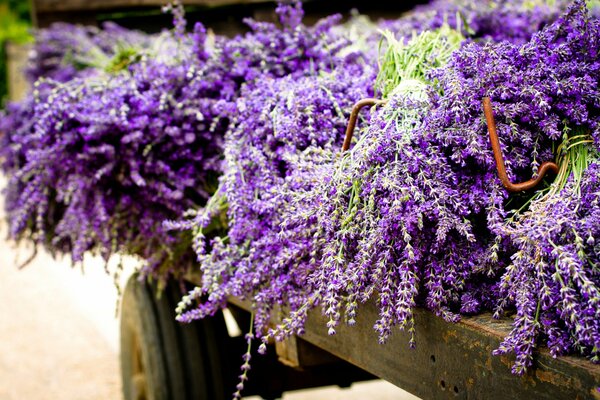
(455, 360)
(16, 61)
(213, 13)
(296, 352)
(50, 6)
(143, 14)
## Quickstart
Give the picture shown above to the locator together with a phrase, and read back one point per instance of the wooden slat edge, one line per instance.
(50, 6)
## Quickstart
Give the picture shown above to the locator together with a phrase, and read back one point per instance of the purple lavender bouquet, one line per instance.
(286, 129)
(416, 215)
(105, 160)
(99, 159)
(546, 94)
(241, 139)
(515, 21)
(63, 51)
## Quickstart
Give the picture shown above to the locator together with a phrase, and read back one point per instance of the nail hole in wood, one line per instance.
(443, 384)
(432, 358)
(455, 389)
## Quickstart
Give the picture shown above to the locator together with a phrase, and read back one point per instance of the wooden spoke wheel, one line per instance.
(162, 359)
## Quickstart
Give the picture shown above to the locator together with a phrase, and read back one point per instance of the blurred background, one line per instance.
(15, 25)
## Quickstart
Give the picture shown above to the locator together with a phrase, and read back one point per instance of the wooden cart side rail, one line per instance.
(224, 15)
(453, 360)
(83, 5)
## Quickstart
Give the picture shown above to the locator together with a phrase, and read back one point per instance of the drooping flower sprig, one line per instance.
(368, 219)
(553, 278)
(546, 99)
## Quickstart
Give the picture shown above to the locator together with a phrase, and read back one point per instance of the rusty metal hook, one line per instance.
(511, 187)
(353, 116)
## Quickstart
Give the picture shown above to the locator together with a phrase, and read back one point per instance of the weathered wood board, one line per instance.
(16, 60)
(225, 16)
(452, 361)
(455, 360)
(89, 12)
(80, 5)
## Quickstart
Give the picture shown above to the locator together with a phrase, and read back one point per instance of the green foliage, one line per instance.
(408, 63)
(593, 5)
(20, 8)
(123, 59)
(14, 27)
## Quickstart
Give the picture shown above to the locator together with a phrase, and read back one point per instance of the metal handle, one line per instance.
(500, 166)
(353, 116)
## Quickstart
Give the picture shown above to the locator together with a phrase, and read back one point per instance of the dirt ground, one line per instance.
(59, 334)
(52, 342)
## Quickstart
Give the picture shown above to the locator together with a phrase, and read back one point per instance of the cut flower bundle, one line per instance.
(415, 213)
(99, 156)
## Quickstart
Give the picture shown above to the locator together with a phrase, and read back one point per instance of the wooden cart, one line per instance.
(450, 360)
(162, 359)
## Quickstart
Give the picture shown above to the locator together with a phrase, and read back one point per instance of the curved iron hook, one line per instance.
(353, 116)
(500, 166)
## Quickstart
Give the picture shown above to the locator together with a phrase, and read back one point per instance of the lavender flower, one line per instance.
(511, 20)
(236, 146)
(415, 213)
(99, 159)
(64, 51)
(287, 128)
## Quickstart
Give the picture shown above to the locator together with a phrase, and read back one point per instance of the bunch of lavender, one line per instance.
(538, 89)
(289, 49)
(287, 128)
(272, 123)
(514, 21)
(544, 91)
(416, 213)
(98, 161)
(101, 160)
(554, 278)
(374, 216)
(63, 50)
(542, 88)
(497, 20)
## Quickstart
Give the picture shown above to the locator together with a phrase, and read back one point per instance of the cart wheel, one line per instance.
(162, 359)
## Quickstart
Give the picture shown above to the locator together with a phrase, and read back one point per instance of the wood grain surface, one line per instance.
(82, 5)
